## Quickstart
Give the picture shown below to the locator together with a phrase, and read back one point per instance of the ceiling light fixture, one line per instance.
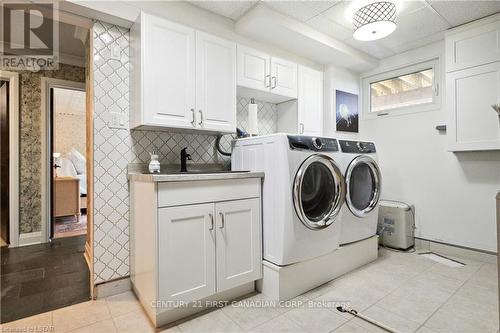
(374, 21)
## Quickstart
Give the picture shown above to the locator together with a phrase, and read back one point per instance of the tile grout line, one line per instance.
(453, 294)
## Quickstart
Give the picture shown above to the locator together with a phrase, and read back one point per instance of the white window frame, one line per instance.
(401, 71)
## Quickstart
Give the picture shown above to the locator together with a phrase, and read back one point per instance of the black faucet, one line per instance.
(184, 157)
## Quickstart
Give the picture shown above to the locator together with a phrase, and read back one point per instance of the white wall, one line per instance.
(453, 193)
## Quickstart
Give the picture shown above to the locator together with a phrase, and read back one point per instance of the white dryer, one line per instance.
(363, 185)
(303, 193)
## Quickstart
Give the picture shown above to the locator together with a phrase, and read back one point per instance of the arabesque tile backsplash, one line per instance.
(114, 149)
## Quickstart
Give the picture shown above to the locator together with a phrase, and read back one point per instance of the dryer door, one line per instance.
(363, 182)
(318, 191)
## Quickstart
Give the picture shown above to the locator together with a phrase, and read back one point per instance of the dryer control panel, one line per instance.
(357, 147)
(314, 143)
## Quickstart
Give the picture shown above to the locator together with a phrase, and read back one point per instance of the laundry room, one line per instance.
(256, 165)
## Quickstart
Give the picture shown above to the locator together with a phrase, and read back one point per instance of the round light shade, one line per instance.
(374, 21)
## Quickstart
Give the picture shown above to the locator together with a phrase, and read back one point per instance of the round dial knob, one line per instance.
(317, 143)
(360, 145)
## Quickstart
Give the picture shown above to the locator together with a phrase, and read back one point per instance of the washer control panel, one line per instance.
(314, 143)
(357, 147)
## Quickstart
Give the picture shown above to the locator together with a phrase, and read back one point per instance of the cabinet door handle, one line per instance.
(301, 128)
(222, 220)
(193, 122)
(274, 85)
(267, 79)
(201, 118)
(211, 222)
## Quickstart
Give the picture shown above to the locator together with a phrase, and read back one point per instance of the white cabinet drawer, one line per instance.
(185, 193)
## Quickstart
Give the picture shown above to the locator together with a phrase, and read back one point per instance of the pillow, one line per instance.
(78, 161)
(67, 169)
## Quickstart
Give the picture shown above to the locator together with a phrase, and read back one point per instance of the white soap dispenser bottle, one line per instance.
(154, 164)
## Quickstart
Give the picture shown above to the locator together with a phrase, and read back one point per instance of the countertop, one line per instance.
(138, 172)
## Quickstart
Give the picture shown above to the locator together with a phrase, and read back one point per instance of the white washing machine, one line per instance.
(363, 185)
(303, 193)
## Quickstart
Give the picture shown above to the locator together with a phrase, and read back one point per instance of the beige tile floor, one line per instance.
(405, 291)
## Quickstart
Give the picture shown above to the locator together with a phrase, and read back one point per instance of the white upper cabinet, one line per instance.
(283, 77)
(215, 83)
(310, 101)
(473, 85)
(270, 78)
(473, 124)
(254, 68)
(163, 68)
(181, 78)
(472, 45)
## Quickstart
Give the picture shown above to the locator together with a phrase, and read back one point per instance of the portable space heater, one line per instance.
(396, 224)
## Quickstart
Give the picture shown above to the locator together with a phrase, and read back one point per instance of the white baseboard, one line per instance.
(113, 287)
(453, 250)
(30, 238)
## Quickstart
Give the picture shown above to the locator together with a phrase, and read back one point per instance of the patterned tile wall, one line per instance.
(30, 141)
(114, 149)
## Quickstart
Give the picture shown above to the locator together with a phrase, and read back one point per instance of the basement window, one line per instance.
(405, 90)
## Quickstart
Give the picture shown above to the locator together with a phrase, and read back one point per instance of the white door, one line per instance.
(283, 77)
(310, 101)
(169, 73)
(215, 83)
(253, 69)
(186, 252)
(239, 254)
(473, 124)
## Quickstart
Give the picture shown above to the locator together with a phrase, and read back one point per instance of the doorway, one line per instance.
(4, 163)
(67, 148)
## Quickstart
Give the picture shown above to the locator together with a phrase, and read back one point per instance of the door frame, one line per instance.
(13, 79)
(47, 84)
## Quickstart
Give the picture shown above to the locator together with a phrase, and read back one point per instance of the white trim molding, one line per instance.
(13, 79)
(46, 169)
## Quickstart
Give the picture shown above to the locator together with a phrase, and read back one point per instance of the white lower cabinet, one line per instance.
(186, 252)
(193, 241)
(238, 242)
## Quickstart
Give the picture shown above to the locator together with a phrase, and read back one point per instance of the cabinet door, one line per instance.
(215, 83)
(239, 254)
(186, 252)
(473, 124)
(168, 60)
(310, 101)
(253, 69)
(283, 77)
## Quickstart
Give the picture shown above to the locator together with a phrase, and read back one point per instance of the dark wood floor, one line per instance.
(42, 277)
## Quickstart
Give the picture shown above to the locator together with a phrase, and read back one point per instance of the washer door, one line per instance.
(363, 182)
(318, 191)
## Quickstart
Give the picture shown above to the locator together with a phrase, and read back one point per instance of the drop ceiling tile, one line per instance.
(330, 28)
(337, 14)
(298, 10)
(231, 9)
(415, 26)
(408, 6)
(460, 12)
